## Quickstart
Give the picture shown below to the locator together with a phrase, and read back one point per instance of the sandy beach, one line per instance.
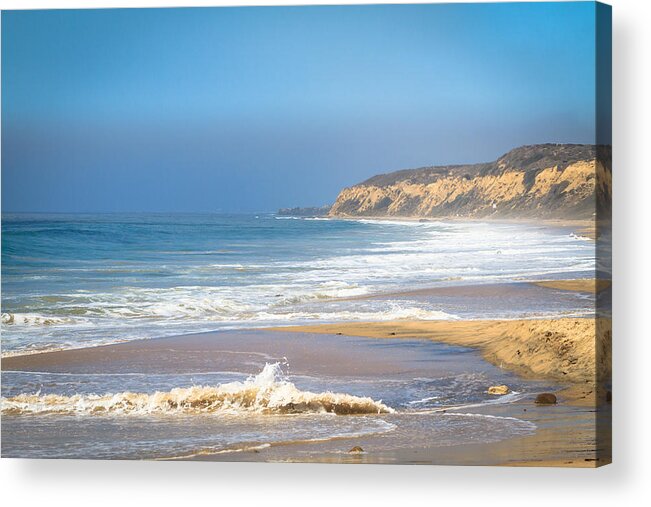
(320, 245)
(573, 350)
(567, 356)
(590, 285)
(564, 434)
(382, 362)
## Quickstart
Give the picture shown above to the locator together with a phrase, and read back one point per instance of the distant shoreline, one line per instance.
(583, 227)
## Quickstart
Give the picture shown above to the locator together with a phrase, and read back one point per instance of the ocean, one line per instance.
(214, 383)
(80, 280)
(251, 391)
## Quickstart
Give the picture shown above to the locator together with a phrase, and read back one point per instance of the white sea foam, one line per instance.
(374, 426)
(528, 425)
(269, 392)
(197, 295)
(35, 319)
(579, 237)
(397, 222)
(423, 400)
(218, 304)
(408, 313)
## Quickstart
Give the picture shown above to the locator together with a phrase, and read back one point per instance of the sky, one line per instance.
(252, 109)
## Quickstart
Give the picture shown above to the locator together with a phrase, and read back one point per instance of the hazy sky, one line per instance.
(251, 109)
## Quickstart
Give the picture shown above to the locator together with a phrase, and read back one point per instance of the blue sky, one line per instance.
(251, 109)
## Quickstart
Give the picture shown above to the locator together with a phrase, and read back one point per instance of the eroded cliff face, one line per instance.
(551, 181)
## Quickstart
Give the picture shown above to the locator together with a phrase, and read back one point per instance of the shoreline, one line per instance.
(585, 285)
(582, 226)
(565, 349)
(581, 437)
(564, 434)
(562, 349)
(571, 433)
(589, 285)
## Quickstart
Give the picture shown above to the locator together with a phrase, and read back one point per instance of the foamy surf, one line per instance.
(266, 393)
(224, 272)
(32, 319)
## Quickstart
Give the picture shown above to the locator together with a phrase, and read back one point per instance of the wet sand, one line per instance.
(565, 437)
(503, 290)
(570, 349)
(560, 349)
(382, 369)
(219, 351)
(565, 434)
(589, 285)
(576, 352)
(572, 353)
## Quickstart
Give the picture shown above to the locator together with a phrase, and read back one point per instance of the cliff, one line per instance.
(545, 181)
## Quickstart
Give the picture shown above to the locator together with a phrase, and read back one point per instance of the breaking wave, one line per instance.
(215, 311)
(409, 313)
(34, 319)
(234, 272)
(266, 393)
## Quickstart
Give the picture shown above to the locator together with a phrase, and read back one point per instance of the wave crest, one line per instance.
(34, 319)
(266, 393)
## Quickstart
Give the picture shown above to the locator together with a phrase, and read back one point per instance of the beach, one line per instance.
(563, 349)
(516, 431)
(267, 338)
(317, 234)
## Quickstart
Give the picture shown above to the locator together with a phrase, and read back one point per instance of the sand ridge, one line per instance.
(590, 285)
(566, 349)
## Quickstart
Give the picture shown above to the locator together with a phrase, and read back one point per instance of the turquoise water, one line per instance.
(76, 280)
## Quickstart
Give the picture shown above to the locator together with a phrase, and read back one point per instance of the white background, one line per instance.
(626, 482)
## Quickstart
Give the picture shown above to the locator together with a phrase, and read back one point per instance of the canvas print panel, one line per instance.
(336, 234)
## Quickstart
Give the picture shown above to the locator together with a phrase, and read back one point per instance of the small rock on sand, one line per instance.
(546, 399)
(503, 389)
(356, 449)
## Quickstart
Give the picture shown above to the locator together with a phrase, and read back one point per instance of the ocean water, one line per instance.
(71, 281)
(408, 394)
(80, 280)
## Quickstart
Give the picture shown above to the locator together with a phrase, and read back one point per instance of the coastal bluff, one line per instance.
(569, 181)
